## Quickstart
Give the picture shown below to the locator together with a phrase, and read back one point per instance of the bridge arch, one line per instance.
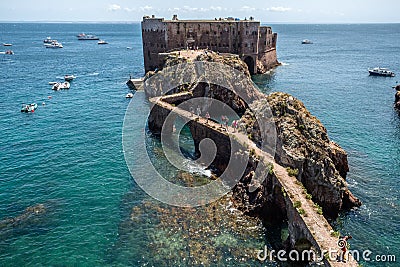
(250, 64)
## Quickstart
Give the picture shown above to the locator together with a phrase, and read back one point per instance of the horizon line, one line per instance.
(136, 21)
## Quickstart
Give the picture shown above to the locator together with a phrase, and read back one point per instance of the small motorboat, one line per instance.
(101, 42)
(29, 108)
(48, 40)
(6, 44)
(306, 41)
(60, 86)
(69, 78)
(83, 36)
(381, 72)
(129, 95)
(52, 83)
(54, 45)
(9, 52)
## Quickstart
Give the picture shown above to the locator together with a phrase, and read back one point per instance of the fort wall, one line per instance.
(255, 44)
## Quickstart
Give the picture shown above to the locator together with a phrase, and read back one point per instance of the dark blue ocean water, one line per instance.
(68, 154)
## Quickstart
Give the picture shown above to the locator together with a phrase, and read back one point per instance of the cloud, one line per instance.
(278, 9)
(186, 9)
(216, 8)
(247, 9)
(146, 8)
(114, 7)
(127, 9)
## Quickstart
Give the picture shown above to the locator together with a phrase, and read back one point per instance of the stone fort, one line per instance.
(253, 43)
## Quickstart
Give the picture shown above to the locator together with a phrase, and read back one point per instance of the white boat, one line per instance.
(83, 36)
(381, 72)
(29, 108)
(306, 41)
(59, 86)
(69, 78)
(9, 52)
(54, 45)
(101, 42)
(129, 95)
(48, 40)
(52, 83)
(5, 44)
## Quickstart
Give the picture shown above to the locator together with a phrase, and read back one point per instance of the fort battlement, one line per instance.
(253, 43)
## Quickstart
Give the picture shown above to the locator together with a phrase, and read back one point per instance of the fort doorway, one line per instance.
(250, 64)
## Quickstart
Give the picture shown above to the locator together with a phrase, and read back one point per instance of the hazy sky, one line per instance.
(307, 11)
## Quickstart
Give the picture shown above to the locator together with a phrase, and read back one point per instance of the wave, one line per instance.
(198, 169)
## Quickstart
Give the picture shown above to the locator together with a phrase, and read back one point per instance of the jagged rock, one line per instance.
(339, 158)
(397, 98)
(303, 144)
(185, 77)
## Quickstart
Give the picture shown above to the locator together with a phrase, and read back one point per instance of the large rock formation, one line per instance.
(303, 145)
(182, 72)
(302, 141)
(397, 97)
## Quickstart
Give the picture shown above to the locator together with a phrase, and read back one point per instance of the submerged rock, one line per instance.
(213, 235)
(32, 219)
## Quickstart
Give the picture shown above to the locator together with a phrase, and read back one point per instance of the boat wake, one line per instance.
(92, 74)
(79, 76)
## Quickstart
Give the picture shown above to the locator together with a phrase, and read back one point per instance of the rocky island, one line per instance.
(303, 182)
(285, 168)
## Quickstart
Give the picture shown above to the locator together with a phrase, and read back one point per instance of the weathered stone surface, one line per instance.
(397, 98)
(235, 88)
(255, 44)
(303, 144)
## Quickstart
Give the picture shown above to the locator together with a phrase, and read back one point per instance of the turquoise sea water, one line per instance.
(68, 154)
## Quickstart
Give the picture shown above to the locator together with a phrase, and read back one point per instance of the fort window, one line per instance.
(215, 33)
(247, 33)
